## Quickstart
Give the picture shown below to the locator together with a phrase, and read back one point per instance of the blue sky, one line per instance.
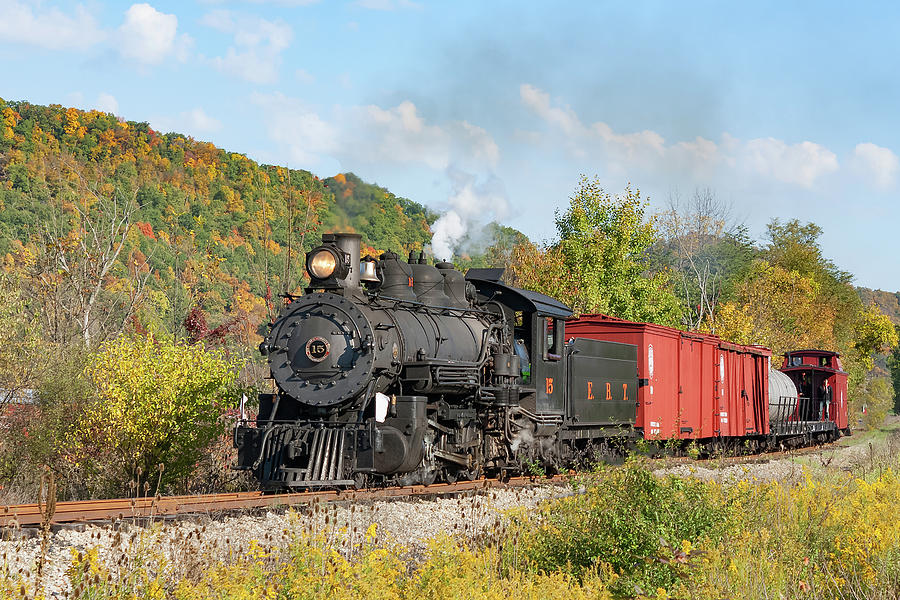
(493, 110)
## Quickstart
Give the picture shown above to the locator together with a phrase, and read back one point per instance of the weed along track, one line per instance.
(171, 506)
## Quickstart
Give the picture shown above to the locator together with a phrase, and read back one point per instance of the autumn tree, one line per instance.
(707, 249)
(776, 308)
(70, 271)
(599, 262)
(23, 357)
(876, 395)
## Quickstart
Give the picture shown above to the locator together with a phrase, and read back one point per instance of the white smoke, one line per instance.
(449, 230)
(471, 204)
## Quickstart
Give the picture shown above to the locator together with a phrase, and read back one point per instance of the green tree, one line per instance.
(874, 334)
(877, 396)
(893, 363)
(777, 308)
(600, 263)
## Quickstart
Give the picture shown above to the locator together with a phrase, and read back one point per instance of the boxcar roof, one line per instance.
(617, 323)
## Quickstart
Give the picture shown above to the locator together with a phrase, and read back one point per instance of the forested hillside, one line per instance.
(888, 302)
(198, 226)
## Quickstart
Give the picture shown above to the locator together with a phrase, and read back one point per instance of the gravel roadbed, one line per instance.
(852, 458)
(187, 545)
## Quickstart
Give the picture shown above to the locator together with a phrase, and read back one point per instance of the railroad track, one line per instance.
(167, 506)
(759, 458)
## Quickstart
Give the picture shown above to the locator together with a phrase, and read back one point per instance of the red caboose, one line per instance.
(821, 387)
(692, 386)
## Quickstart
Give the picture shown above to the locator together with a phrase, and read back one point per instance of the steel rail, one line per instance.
(167, 506)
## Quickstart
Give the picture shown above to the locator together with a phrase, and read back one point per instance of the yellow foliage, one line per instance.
(274, 247)
(777, 308)
(72, 125)
(10, 120)
(159, 402)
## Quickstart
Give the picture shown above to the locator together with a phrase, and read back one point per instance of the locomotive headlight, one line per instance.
(321, 263)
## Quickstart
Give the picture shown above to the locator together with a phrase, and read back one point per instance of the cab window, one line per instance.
(552, 338)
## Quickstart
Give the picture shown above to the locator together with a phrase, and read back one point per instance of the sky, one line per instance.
(493, 110)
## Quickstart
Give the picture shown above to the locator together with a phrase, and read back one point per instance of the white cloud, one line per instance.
(107, 103)
(801, 164)
(539, 102)
(194, 122)
(293, 125)
(876, 164)
(258, 43)
(364, 136)
(198, 120)
(150, 36)
(50, 28)
(304, 76)
(401, 135)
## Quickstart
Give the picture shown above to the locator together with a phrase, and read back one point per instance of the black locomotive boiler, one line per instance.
(395, 371)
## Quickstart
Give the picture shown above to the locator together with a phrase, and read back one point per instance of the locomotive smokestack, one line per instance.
(350, 243)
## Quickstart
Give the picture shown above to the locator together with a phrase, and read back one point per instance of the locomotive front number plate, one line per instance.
(317, 349)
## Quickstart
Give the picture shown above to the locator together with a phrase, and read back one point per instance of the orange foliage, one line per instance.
(146, 229)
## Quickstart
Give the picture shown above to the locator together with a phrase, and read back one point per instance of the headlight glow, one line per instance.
(322, 264)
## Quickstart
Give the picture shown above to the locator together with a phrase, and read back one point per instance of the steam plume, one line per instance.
(471, 204)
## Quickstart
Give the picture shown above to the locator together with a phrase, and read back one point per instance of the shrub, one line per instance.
(644, 527)
(40, 435)
(160, 404)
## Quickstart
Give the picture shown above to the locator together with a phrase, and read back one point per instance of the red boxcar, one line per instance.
(692, 386)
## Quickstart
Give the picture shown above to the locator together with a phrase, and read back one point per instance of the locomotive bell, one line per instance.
(367, 272)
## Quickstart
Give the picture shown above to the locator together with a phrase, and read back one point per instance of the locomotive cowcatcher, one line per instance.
(392, 371)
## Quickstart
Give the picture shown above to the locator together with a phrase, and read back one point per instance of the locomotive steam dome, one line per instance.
(321, 350)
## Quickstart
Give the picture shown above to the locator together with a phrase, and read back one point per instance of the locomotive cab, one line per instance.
(539, 329)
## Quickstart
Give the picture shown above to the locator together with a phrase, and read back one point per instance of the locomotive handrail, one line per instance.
(415, 303)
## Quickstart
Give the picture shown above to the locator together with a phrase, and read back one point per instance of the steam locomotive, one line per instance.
(393, 371)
